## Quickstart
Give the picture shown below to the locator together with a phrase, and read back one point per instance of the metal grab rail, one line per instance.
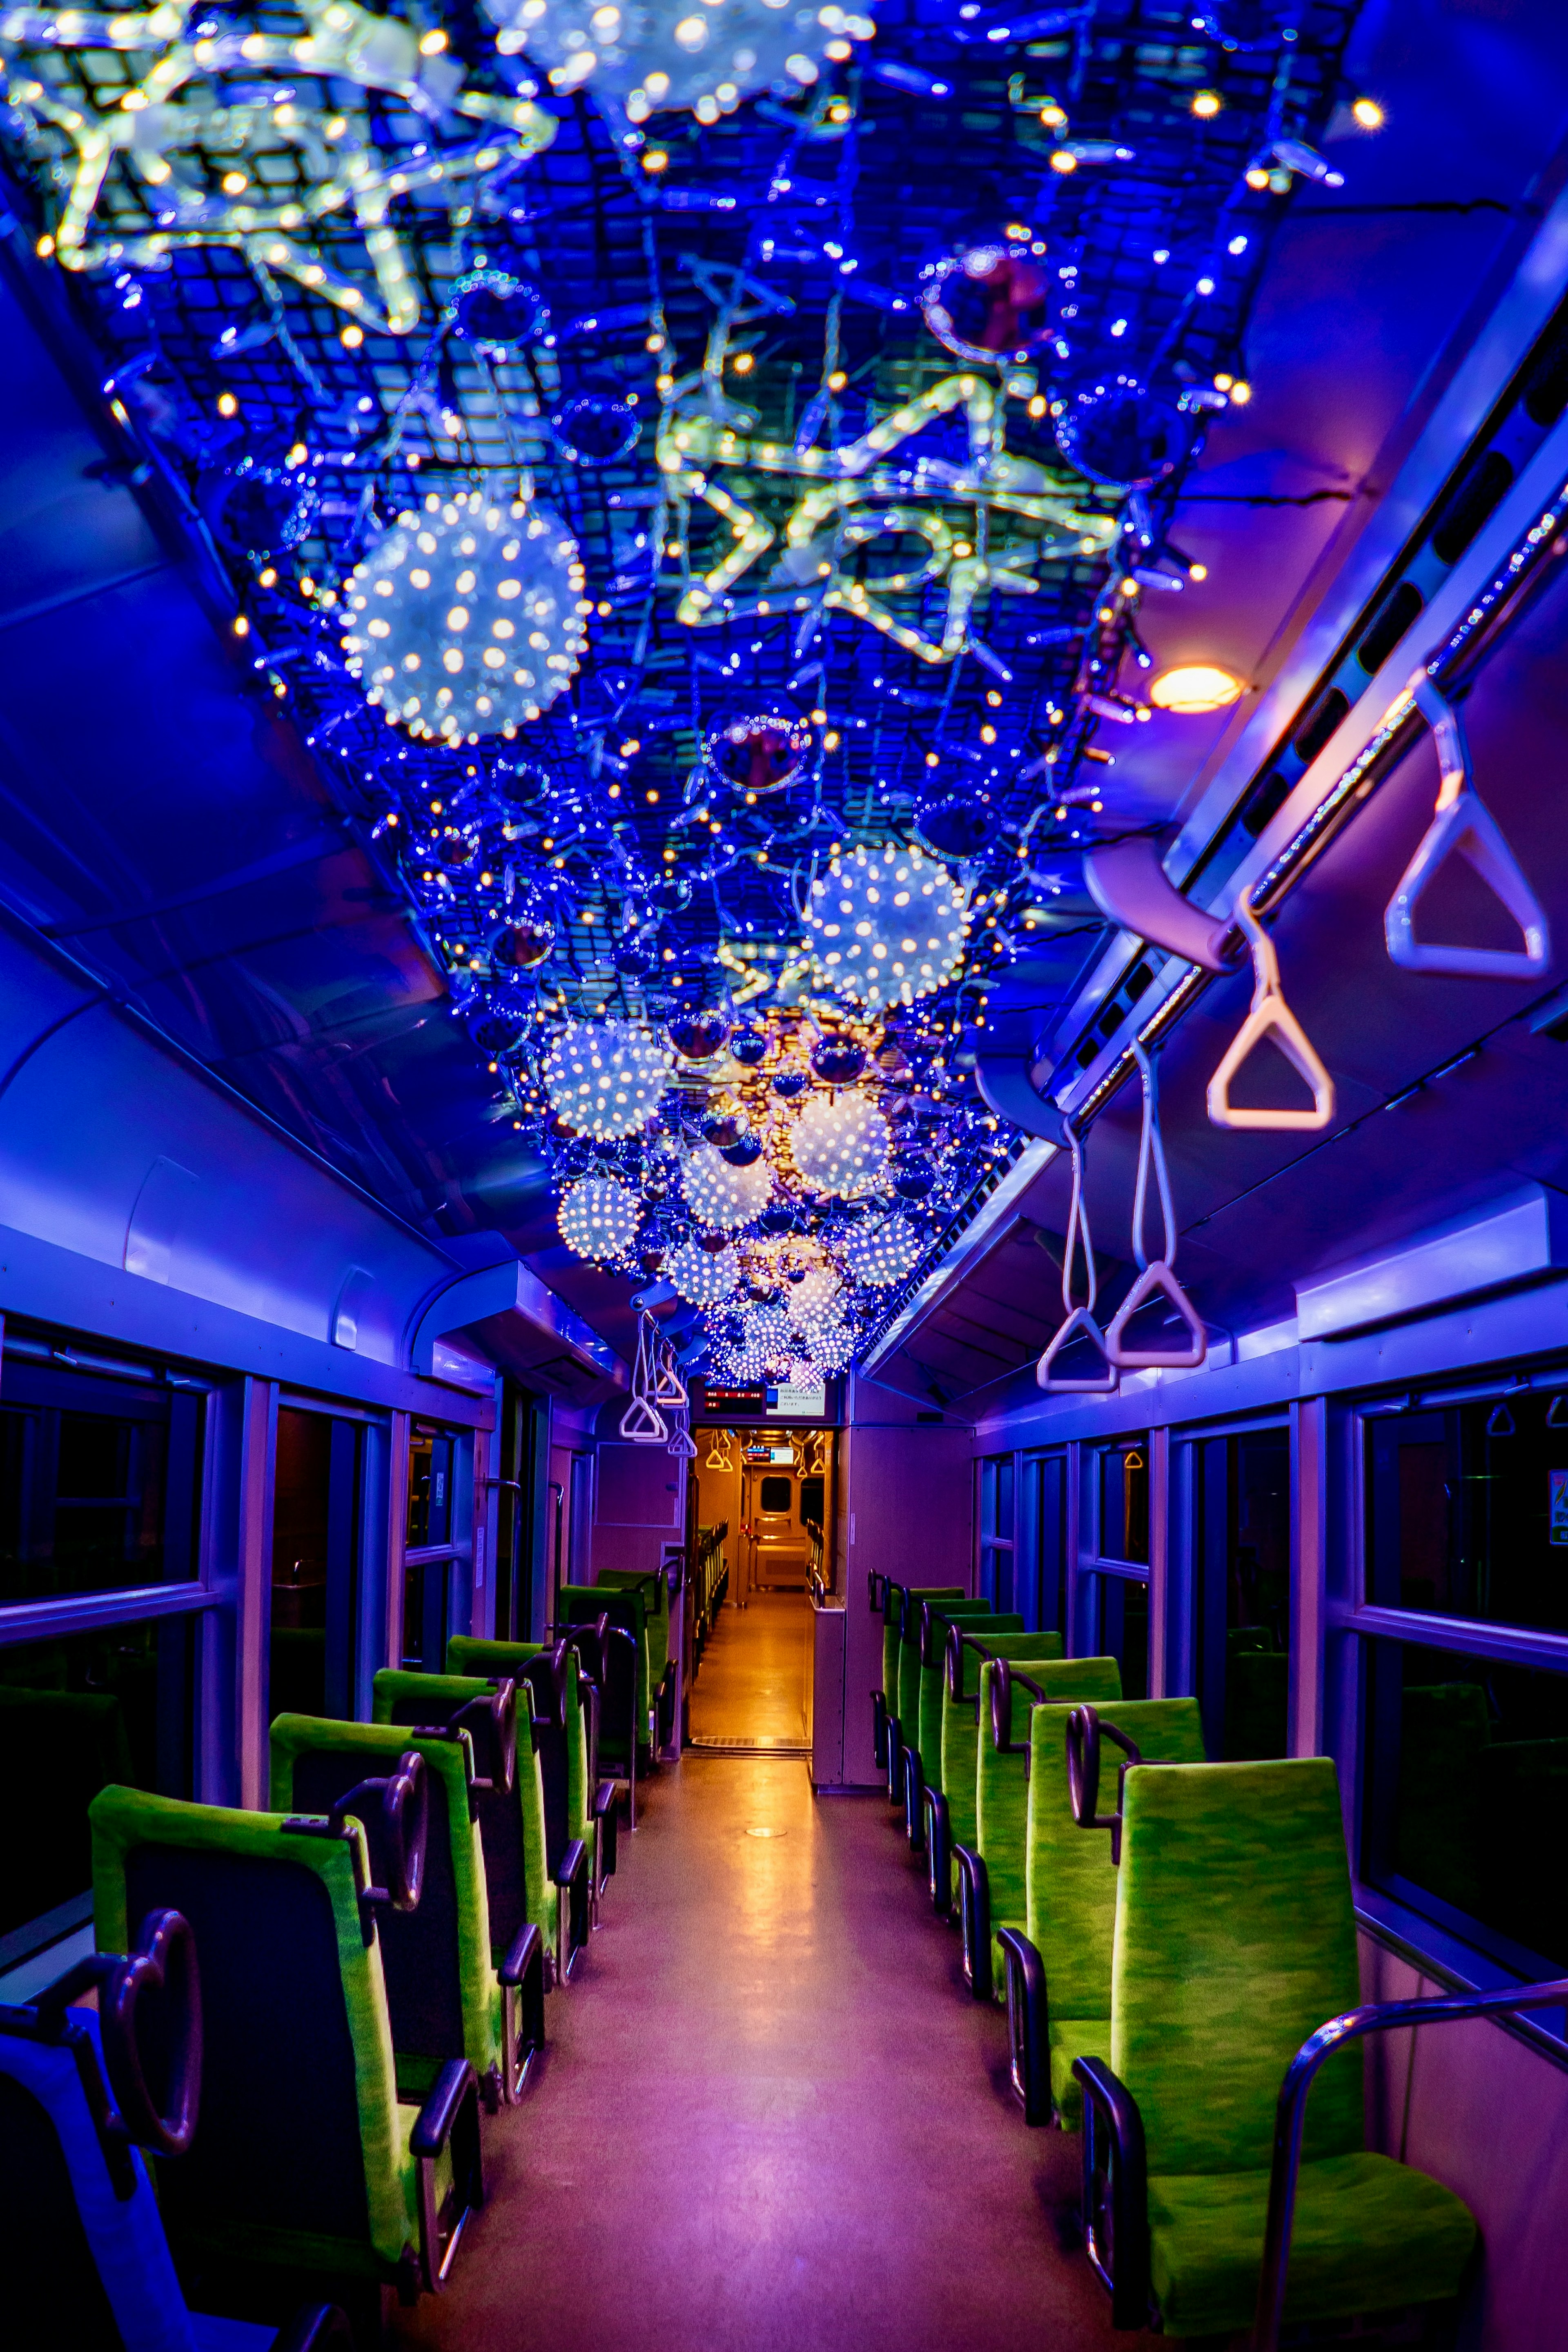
(1463, 824)
(1377, 2016)
(1080, 1320)
(1269, 1016)
(1157, 1278)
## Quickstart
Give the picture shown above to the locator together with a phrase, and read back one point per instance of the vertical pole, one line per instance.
(1159, 1560)
(1072, 1643)
(1309, 1571)
(396, 1533)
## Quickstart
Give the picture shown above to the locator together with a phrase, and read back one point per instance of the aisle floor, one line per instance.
(756, 1674)
(769, 2120)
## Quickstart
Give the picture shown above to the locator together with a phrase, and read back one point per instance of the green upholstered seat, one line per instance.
(627, 1607)
(908, 1662)
(1070, 1881)
(467, 1654)
(960, 1746)
(1235, 1941)
(654, 1588)
(978, 1617)
(444, 1996)
(1002, 1787)
(303, 2156)
(520, 1865)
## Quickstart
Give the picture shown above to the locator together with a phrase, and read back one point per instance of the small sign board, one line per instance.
(799, 1400)
(814, 1401)
(1557, 1516)
(717, 1402)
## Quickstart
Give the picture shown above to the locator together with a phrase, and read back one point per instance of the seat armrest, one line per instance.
(895, 1761)
(939, 1853)
(522, 1974)
(914, 1801)
(880, 1729)
(975, 1918)
(1029, 2029)
(573, 1891)
(515, 1966)
(450, 2116)
(1115, 2191)
(315, 2328)
(603, 1799)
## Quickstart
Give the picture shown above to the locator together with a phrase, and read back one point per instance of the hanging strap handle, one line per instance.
(1462, 824)
(1079, 1321)
(1151, 1151)
(1270, 1016)
(1077, 1223)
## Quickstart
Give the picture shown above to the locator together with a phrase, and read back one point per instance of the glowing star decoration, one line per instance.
(702, 1277)
(599, 1218)
(463, 620)
(884, 1252)
(700, 56)
(606, 1078)
(885, 926)
(722, 1197)
(874, 488)
(839, 1144)
(256, 139)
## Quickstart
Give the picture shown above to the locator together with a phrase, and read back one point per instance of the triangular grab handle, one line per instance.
(1080, 1323)
(1463, 825)
(644, 1423)
(1156, 1278)
(1269, 1016)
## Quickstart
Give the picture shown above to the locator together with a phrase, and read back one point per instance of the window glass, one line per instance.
(1044, 1592)
(99, 1483)
(1123, 1630)
(77, 1714)
(429, 1488)
(1468, 1511)
(812, 1494)
(314, 1562)
(1124, 1500)
(777, 1494)
(1465, 1792)
(1243, 1613)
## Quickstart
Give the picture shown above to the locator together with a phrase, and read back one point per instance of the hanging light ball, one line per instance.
(912, 1182)
(606, 1078)
(744, 1152)
(724, 1197)
(463, 619)
(495, 1029)
(702, 1277)
(839, 1060)
(722, 1131)
(521, 943)
(883, 1253)
(829, 1340)
(989, 301)
(633, 958)
(749, 1047)
(740, 1360)
(1119, 433)
(839, 1144)
(599, 1217)
(790, 1083)
(697, 1034)
(759, 751)
(497, 314)
(651, 58)
(886, 925)
(595, 429)
(816, 1285)
(959, 825)
(770, 1334)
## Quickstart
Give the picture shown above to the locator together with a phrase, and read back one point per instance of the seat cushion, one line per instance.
(1075, 2037)
(1370, 2235)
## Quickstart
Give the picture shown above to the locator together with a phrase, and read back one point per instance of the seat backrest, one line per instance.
(901, 1602)
(437, 1958)
(1070, 1878)
(398, 1697)
(979, 1618)
(1235, 1940)
(1001, 1782)
(298, 2130)
(625, 1606)
(910, 1630)
(654, 1586)
(83, 2267)
(960, 1737)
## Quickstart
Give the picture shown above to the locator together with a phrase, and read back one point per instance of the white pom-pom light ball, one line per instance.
(599, 1218)
(722, 1197)
(839, 1144)
(702, 1277)
(606, 1077)
(884, 1252)
(463, 620)
(707, 58)
(885, 926)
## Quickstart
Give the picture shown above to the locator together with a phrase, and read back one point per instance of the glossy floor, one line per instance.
(753, 1685)
(768, 2121)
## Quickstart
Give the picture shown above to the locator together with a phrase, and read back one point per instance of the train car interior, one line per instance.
(783, 1175)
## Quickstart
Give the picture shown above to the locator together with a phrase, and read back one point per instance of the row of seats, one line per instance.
(302, 2013)
(1179, 1969)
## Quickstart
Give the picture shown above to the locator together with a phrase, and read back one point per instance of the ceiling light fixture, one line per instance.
(1193, 688)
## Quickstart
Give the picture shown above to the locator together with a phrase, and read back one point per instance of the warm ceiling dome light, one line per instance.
(1207, 104)
(1367, 112)
(606, 1078)
(1193, 688)
(599, 1218)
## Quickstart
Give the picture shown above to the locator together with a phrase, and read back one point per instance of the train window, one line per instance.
(997, 1531)
(1243, 1612)
(1468, 1511)
(99, 1483)
(315, 1516)
(1041, 1589)
(431, 1547)
(78, 1712)
(777, 1494)
(429, 1488)
(812, 1493)
(1120, 1628)
(1124, 1500)
(1465, 1791)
